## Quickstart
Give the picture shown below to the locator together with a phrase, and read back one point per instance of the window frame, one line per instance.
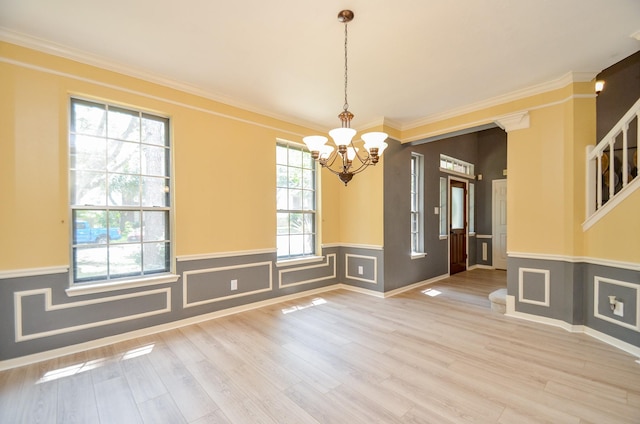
(311, 254)
(416, 208)
(113, 280)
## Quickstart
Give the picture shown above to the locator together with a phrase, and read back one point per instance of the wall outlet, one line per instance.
(619, 310)
(360, 270)
(436, 210)
(234, 284)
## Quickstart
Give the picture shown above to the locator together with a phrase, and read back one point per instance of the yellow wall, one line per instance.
(546, 177)
(223, 204)
(224, 161)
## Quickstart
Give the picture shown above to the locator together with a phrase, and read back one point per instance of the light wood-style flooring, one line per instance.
(341, 357)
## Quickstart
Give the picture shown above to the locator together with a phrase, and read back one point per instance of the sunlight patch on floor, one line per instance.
(94, 363)
(315, 302)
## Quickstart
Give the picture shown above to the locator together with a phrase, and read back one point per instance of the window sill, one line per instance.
(417, 255)
(443, 237)
(299, 261)
(107, 286)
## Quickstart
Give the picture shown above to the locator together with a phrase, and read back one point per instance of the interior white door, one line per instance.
(499, 224)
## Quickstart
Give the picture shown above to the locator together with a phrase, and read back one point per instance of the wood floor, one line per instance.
(341, 357)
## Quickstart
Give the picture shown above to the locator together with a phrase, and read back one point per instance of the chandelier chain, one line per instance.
(346, 103)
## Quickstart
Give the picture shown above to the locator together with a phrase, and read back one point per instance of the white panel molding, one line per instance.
(354, 246)
(521, 298)
(217, 255)
(185, 283)
(327, 264)
(596, 302)
(105, 341)
(32, 272)
(633, 266)
(355, 277)
(49, 306)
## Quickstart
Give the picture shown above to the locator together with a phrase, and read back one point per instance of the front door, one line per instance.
(458, 227)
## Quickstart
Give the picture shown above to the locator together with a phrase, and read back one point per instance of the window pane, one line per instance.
(281, 155)
(295, 157)
(296, 245)
(155, 226)
(123, 124)
(283, 223)
(88, 118)
(283, 246)
(123, 157)
(89, 226)
(308, 202)
(154, 161)
(129, 223)
(88, 188)
(124, 190)
(457, 208)
(309, 248)
(307, 179)
(282, 176)
(87, 153)
(295, 223)
(295, 199)
(156, 257)
(282, 198)
(309, 220)
(307, 161)
(125, 260)
(295, 177)
(154, 130)
(90, 262)
(155, 191)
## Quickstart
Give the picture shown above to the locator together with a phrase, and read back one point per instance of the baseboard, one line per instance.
(624, 346)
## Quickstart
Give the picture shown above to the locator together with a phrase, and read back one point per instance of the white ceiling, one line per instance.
(408, 59)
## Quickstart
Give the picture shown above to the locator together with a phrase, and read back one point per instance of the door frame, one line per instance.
(494, 219)
(466, 224)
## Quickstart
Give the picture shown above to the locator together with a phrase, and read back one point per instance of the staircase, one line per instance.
(612, 167)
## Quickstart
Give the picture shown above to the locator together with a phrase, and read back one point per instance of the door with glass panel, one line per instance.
(457, 227)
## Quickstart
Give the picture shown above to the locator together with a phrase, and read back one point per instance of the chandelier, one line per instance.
(347, 160)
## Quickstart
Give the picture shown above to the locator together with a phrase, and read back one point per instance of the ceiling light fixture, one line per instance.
(341, 161)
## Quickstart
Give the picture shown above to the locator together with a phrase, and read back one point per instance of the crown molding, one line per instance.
(563, 81)
(81, 56)
(514, 121)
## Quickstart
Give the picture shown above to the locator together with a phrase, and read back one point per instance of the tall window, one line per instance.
(296, 201)
(443, 208)
(417, 234)
(119, 176)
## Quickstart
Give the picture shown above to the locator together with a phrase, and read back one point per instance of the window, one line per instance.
(417, 234)
(295, 201)
(456, 166)
(443, 207)
(120, 200)
(472, 208)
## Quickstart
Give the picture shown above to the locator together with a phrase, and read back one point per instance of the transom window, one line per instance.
(456, 166)
(120, 196)
(295, 201)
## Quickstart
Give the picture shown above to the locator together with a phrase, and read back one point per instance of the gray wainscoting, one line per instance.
(578, 294)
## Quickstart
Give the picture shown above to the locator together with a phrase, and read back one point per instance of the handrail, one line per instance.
(599, 173)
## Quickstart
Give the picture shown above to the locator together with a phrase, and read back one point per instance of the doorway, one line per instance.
(457, 226)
